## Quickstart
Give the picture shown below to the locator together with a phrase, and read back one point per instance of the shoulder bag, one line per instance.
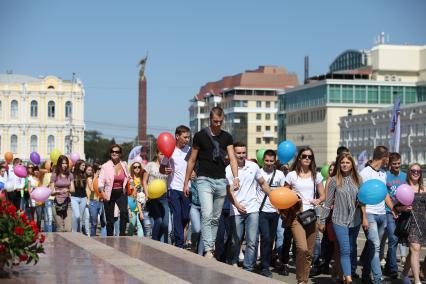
(309, 216)
(264, 198)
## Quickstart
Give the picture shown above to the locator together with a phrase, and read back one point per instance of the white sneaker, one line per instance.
(383, 262)
(241, 256)
(403, 260)
(209, 254)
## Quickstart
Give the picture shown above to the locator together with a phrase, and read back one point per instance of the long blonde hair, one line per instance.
(339, 175)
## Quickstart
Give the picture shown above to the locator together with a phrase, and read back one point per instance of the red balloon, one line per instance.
(166, 144)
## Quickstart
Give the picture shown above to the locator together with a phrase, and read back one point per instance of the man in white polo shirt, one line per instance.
(245, 211)
(374, 217)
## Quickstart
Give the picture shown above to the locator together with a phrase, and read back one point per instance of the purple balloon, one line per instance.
(35, 158)
(405, 194)
(41, 194)
(20, 171)
(74, 157)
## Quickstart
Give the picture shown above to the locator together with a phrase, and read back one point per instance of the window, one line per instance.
(334, 93)
(50, 143)
(34, 109)
(370, 111)
(360, 94)
(258, 116)
(268, 116)
(14, 109)
(258, 104)
(268, 104)
(268, 140)
(68, 109)
(385, 95)
(51, 109)
(347, 94)
(373, 95)
(258, 140)
(275, 128)
(14, 143)
(349, 112)
(258, 128)
(33, 143)
(267, 128)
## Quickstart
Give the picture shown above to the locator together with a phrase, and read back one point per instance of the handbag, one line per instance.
(402, 227)
(264, 198)
(309, 216)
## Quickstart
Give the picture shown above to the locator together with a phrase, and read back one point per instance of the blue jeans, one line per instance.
(95, 209)
(134, 221)
(179, 206)
(223, 238)
(392, 243)
(249, 222)
(317, 250)
(212, 194)
(346, 238)
(78, 205)
(159, 211)
(279, 237)
(267, 227)
(195, 216)
(48, 215)
(376, 229)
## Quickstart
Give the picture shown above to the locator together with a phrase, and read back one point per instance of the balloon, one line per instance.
(54, 155)
(75, 157)
(9, 186)
(156, 188)
(48, 165)
(95, 186)
(41, 194)
(8, 156)
(372, 192)
(166, 144)
(286, 151)
(283, 198)
(20, 171)
(35, 158)
(405, 194)
(324, 171)
(259, 156)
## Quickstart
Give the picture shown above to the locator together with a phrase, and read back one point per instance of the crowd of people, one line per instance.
(217, 205)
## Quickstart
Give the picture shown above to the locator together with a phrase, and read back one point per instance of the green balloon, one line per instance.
(324, 171)
(259, 156)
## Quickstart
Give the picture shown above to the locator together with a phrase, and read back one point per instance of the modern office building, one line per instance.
(40, 114)
(249, 100)
(358, 83)
(366, 131)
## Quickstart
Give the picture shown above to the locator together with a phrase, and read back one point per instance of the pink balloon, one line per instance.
(20, 171)
(405, 194)
(75, 157)
(41, 194)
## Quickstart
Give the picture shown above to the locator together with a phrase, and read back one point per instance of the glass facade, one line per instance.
(349, 60)
(305, 98)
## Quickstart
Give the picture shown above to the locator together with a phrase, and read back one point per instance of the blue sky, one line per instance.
(189, 43)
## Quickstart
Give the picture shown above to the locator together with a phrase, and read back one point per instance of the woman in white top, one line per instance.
(305, 181)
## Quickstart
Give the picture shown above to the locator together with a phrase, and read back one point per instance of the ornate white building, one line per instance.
(40, 114)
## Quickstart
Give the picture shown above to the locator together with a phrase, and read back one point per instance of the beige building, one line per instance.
(249, 100)
(359, 82)
(40, 114)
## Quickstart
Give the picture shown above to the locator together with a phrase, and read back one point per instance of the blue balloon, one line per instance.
(1, 185)
(372, 192)
(286, 151)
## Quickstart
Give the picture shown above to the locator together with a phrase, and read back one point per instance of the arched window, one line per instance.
(33, 143)
(68, 109)
(34, 109)
(50, 143)
(14, 109)
(51, 109)
(14, 143)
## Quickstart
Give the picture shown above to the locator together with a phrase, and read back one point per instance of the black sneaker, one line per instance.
(285, 270)
(314, 271)
(367, 280)
(266, 273)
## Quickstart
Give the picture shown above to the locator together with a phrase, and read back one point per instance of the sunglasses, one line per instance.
(115, 152)
(309, 157)
(415, 172)
(136, 167)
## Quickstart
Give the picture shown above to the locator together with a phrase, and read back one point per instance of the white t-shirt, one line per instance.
(279, 180)
(304, 187)
(153, 171)
(18, 183)
(178, 163)
(246, 195)
(369, 173)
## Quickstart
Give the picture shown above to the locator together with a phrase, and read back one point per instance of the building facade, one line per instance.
(366, 131)
(40, 114)
(309, 115)
(249, 100)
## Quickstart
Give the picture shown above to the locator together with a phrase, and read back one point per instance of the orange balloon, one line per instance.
(48, 165)
(95, 187)
(283, 198)
(8, 156)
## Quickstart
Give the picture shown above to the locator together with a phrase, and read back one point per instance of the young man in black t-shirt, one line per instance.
(209, 148)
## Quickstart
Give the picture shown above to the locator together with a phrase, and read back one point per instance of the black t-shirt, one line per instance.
(208, 167)
(80, 188)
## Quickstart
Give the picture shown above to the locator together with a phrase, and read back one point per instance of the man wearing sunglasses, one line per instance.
(179, 203)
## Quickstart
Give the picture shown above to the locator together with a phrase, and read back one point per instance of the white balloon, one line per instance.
(9, 186)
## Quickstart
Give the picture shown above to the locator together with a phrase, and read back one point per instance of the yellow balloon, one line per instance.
(54, 155)
(156, 188)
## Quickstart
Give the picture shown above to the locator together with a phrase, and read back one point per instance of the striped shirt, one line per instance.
(344, 202)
